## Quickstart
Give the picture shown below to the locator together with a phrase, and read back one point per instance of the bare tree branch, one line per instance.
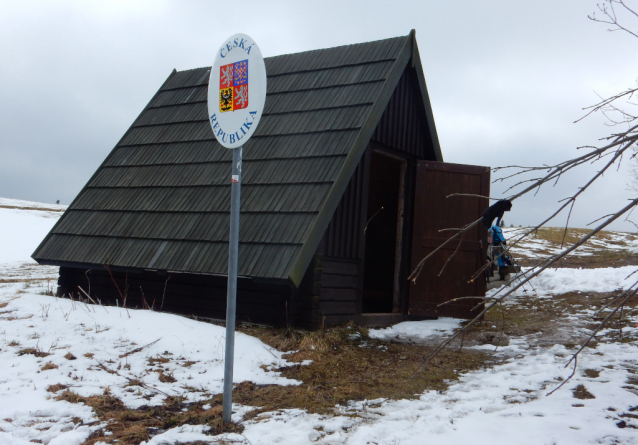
(546, 264)
(608, 11)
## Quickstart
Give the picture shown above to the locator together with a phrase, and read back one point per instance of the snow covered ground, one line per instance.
(47, 341)
(23, 224)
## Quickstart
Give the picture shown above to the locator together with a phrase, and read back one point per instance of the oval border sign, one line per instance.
(236, 91)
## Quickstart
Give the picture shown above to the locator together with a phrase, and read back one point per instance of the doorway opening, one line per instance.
(383, 234)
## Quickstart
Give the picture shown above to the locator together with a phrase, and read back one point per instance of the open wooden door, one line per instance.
(433, 212)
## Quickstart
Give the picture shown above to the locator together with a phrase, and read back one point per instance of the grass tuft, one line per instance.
(592, 373)
(32, 351)
(166, 377)
(57, 387)
(49, 365)
(581, 393)
(70, 396)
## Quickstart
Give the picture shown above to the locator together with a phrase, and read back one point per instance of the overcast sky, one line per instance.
(507, 79)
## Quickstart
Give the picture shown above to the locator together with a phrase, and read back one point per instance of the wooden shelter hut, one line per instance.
(344, 191)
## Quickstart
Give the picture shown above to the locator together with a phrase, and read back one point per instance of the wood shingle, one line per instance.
(161, 198)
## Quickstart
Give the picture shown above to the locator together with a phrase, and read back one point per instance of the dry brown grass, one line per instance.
(600, 257)
(581, 393)
(166, 377)
(49, 365)
(159, 359)
(57, 387)
(32, 351)
(128, 426)
(70, 356)
(346, 365)
(592, 373)
(14, 343)
(70, 396)
(555, 235)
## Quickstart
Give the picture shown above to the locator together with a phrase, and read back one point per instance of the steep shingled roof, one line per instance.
(161, 198)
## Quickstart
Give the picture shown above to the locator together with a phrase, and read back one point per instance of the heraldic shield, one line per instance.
(233, 86)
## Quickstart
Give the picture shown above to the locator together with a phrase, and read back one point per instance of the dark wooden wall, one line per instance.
(188, 294)
(328, 292)
(403, 125)
(332, 289)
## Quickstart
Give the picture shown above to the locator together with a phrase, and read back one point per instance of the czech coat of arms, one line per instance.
(233, 86)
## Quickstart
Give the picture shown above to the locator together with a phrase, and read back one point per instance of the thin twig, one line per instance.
(453, 300)
(140, 348)
(471, 194)
(566, 380)
(370, 219)
(87, 295)
(164, 293)
(453, 254)
(114, 282)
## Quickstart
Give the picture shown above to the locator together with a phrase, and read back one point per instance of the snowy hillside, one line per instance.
(72, 371)
(23, 225)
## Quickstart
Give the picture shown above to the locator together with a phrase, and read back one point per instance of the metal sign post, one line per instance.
(231, 299)
(236, 98)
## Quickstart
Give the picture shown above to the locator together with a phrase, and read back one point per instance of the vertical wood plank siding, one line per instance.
(403, 126)
(342, 238)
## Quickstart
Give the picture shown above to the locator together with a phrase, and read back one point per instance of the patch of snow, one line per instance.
(22, 231)
(19, 203)
(563, 280)
(417, 330)
(183, 434)
(488, 407)
(127, 351)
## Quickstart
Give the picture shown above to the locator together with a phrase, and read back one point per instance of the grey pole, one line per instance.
(231, 304)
